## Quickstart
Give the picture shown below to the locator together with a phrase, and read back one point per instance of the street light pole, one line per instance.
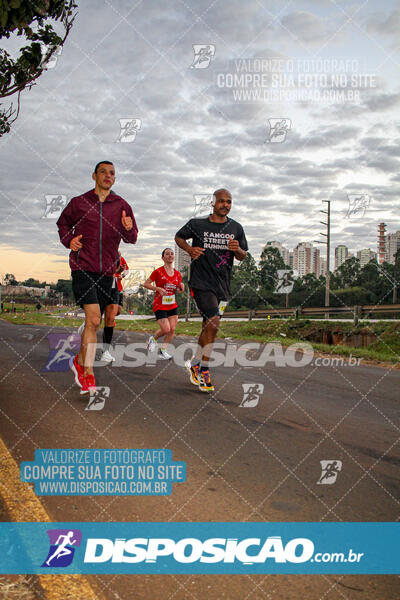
(188, 295)
(328, 252)
(396, 271)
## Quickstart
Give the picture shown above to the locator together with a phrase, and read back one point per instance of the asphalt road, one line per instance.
(243, 464)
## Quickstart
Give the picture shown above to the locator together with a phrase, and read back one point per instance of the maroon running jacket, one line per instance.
(101, 228)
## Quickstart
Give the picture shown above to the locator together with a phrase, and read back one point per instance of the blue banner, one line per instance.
(103, 472)
(200, 548)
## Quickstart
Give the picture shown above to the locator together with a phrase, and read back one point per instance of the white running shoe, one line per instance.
(107, 357)
(164, 354)
(81, 328)
(151, 344)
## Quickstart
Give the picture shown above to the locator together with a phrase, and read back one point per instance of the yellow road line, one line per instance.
(23, 505)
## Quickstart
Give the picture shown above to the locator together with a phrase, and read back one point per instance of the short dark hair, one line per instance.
(102, 162)
(164, 251)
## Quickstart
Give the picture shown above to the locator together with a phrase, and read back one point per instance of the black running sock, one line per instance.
(107, 337)
(204, 365)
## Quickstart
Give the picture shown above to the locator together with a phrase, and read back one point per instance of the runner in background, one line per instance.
(114, 308)
(167, 282)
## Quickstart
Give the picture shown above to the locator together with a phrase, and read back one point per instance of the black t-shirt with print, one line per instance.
(212, 270)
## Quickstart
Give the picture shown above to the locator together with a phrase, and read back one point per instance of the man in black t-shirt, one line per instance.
(217, 240)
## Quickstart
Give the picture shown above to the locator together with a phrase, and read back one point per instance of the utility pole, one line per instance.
(396, 273)
(188, 295)
(328, 252)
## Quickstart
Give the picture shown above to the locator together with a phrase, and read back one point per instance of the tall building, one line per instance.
(182, 258)
(284, 252)
(341, 254)
(365, 255)
(392, 245)
(307, 259)
(323, 267)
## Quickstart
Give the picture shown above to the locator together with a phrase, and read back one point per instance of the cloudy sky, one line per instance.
(199, 131)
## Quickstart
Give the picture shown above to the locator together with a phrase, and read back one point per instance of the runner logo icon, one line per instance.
(278, 129)
(251, 394)
(203, 53)
(63, 346)
(55, 204)
(133, 281)
(128, 130)
(358, 204)
(202, 205)
(98, 400)
(50, 54)
(62, 550)
(330, 470)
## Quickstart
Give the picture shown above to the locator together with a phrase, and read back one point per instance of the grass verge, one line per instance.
(377, 342)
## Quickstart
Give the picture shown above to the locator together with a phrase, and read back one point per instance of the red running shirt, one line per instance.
(161, 278)
(118, 276)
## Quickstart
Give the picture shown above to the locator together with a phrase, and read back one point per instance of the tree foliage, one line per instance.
(245, 286)
(34, 21)
(254, 286)
(9, 279)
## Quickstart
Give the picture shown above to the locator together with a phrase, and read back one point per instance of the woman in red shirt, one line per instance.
(167, 282)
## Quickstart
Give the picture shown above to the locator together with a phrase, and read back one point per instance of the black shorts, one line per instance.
(164, 314)
(91, 288)
(207, 302)
(116, 297)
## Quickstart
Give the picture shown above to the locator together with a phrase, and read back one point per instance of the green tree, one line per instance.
(30, 282)
(32, 21)
(351, 296)
(371, 278)
(64, 286)
(308, 290)
(245, 285)
(347, 274)
(9, 279)
(270, 261)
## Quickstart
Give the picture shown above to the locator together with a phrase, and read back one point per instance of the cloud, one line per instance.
(386, 24)
(194, 137)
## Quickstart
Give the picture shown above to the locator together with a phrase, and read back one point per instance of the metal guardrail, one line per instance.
(357, 312)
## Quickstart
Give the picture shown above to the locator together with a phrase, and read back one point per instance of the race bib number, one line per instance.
(168, 299)
(222, 306)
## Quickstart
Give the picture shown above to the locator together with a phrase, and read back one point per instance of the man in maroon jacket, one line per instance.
(92, 226)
